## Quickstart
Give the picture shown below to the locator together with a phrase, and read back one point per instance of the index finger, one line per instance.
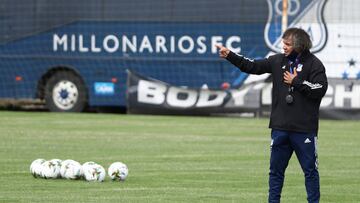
(219, 46)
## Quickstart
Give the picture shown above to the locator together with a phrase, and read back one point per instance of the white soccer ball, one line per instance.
(51, 169)
(71, 169)
(88, 168)
(94, 172)
(89, 163)
(36, 167)
(118, 171)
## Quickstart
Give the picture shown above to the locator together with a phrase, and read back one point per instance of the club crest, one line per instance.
(299, 12)
(299, 67)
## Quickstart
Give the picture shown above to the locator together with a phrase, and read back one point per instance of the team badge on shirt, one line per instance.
(299, 67)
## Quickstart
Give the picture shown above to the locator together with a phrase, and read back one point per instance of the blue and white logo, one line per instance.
(307, 14)
(104, 88)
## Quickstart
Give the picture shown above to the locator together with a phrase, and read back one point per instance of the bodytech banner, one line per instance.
(150, 96)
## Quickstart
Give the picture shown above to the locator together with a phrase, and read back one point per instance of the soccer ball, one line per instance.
(86, 164)
(87, 169)
(118, 171)
(71, 169)
(93, 172)
(36, 167)
(51, 169)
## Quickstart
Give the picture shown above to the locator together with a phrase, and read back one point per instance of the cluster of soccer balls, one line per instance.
(73, 170)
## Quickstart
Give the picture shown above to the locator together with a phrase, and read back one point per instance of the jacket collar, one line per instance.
(302, 56)
(305, 54)
(292, 56)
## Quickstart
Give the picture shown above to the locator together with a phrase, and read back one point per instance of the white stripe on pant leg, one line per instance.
(316, 154)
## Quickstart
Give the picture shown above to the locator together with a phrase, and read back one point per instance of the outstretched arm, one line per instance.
(244, 64)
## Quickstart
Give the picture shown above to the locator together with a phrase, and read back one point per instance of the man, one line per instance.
(299, 83)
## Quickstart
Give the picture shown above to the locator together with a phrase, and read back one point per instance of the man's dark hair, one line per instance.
(301, 39)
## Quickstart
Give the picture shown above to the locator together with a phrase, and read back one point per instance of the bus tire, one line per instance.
(65, 92)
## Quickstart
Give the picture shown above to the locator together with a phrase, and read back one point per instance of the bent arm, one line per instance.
(317, 84)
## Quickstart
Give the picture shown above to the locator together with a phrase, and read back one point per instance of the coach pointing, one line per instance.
(299, 83)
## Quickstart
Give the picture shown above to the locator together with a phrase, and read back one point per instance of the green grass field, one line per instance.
(170, 158)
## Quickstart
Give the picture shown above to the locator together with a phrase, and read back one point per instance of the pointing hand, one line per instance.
(223, 51)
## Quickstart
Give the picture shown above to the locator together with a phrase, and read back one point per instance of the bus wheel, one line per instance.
(65, 92)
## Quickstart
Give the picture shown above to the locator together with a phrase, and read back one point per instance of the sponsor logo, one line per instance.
(104, 88)
(339, 95)
(157, 94)
(342, 96)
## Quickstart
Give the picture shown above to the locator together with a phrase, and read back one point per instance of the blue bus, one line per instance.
(74, 54)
